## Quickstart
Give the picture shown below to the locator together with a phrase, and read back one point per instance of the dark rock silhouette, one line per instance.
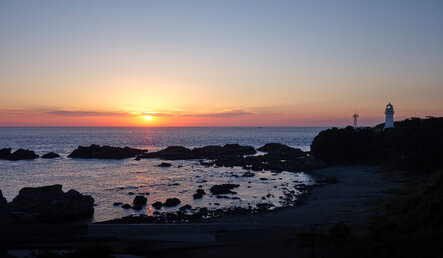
(157, 205)
(50, 155)
(185, 207)
(413, 144)
(20, 154)
(170, 202)
(171, 153)
(223, 189)
(5, 153)
(282, 150)
(2, 200)
(126, 206)
(50, 204)
(182, 153)
(212, 152)
(199, 194)
(201, 191)
(279, 157)
(140, 200)
(105, 152)
(164, 165)
(137, 207)
(5, 215)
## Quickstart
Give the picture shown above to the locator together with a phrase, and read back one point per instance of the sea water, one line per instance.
(109, 181)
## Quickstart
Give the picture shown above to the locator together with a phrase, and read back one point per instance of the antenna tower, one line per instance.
(355, 116)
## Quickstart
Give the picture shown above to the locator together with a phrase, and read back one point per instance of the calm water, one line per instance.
(110, 181)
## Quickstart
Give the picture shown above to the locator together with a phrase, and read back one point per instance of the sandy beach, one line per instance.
(349, 200)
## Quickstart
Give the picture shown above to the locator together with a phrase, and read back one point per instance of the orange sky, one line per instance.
(230, 63)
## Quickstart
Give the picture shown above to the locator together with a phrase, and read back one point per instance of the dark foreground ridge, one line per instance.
(413, 144)
(47, 204)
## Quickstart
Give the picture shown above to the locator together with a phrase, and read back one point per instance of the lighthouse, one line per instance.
(389, 112)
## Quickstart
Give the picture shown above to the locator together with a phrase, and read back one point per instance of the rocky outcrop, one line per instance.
(5, 153)
(199, 194)
(208, 152)
(157, 205)
(140, 200)
(5, 216)
(171, 153)
(50, 204)
(20, 154)
(223, 189)
(170, 202)
(2, 200)
(413, 144)
(212, 152)
(278, 157)
(105, 152)
(284, 151)
(50, 155)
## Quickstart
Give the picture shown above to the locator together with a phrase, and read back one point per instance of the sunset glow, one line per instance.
(148, 118)
(234, 69)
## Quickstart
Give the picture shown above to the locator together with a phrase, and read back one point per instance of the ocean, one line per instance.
(109, 181)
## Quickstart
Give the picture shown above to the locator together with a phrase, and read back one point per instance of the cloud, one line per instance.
(156, 114)
(87, 113)
(92, 113)
(225, 114)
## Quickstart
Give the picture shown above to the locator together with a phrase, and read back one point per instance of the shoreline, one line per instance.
(349, 200)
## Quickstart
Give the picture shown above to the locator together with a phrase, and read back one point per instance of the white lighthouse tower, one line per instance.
(389, 112)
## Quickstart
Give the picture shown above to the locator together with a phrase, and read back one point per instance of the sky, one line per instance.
(218, 63)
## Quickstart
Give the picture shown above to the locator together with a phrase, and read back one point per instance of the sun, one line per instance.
(147, 118)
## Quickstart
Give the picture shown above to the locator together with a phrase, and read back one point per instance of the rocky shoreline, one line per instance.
(46, 204)
(49, 204)
(187, 213)
(276, 156)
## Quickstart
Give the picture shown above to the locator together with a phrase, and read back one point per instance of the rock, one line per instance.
(201, 191)
(50, 204)
(157, 205)
(126, 206)
(164, 165)
(22, 154)
(140, 200)
(2, 200)
(131, 193)
(223, 189)
(137, 207)
(5, 216)
(284, 150)
(213, 152)
(50, 155)
(185, 207)
(208, 152)
(139, 157)
(270, 147)
(172, 153)
(5, 153)
(170, 202)
(105, 152)
(248, 174)
(117, 203)
(197, 196)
